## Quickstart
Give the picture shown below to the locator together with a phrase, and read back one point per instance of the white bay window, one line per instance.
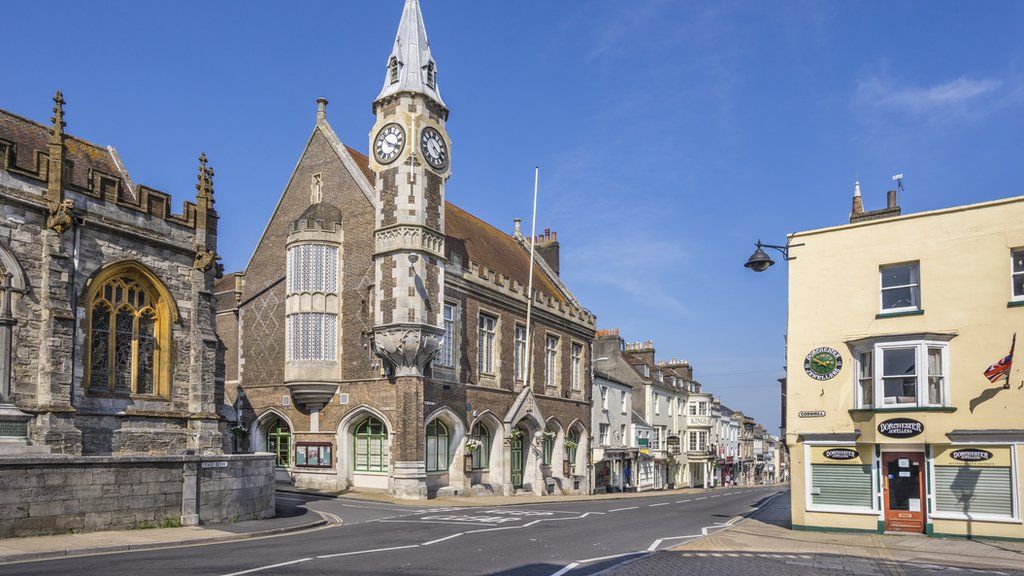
(312, 336)
(312, 268)
(902, 374)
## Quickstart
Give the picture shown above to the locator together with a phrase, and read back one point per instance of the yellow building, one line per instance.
(893, 320)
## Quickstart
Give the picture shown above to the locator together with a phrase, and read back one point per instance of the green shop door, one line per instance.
(517, 463)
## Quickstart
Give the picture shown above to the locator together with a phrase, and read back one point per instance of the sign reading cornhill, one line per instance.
(841, 454)
(900, 428)
(970, 455)
(811, 414)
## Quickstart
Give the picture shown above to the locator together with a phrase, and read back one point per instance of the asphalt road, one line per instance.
(570, 538)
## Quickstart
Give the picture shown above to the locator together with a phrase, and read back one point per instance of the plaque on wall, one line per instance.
(970, 455)
(841, 454)
(900, 428)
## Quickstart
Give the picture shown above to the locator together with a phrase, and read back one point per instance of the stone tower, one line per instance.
(409, 153)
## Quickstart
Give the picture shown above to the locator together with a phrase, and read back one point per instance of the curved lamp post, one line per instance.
(760, 261)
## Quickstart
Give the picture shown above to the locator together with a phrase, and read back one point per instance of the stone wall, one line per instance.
(56, 495)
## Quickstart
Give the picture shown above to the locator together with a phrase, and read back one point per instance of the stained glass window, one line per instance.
(312, 268)
(124, 346)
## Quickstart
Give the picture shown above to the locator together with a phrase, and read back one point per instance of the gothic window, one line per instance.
(519, 353)
(371, 446)
(279, 442)
(482, 455)
(437, 446)
(572, 442)
(431, 72)
(577, 366)
(312, 336)
(551, 361)
(485, 344)
(393, 70)
(128, 335)
(312, 268)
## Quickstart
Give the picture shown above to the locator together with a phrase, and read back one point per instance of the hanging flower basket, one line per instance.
(515, 434)
(550, 434)
(472, 445)
(571, 445)
(239, 430)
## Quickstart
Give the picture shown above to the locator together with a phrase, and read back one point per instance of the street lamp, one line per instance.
(760, 261)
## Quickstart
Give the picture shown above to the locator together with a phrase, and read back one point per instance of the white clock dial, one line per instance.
(389, 143)
(434, 148)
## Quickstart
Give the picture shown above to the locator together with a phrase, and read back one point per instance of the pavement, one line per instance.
(764, 544)
(554, 537)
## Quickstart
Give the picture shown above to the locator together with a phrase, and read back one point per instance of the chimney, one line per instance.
(891, 200)
(547, 248)
(858, 202)
(321, 109)
(518, 227)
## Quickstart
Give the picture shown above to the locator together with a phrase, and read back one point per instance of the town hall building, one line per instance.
(379, 336)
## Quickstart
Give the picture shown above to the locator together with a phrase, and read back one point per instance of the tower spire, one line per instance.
(411, 68)
(204, 181)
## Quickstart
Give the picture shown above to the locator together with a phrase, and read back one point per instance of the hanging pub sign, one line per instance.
(900, 428)
(841, 454)
(971, 455)
(672, 443)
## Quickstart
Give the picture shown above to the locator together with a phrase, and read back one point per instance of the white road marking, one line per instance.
(702, 498)
(681, 501)
(432, 522)
(530, 523)
(602, 558)
(356, 552)
(567, 568)
(456, 535)
(262, 568)
(662, 504)
(621, 509)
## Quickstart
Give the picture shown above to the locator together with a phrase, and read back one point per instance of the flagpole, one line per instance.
(529, 284)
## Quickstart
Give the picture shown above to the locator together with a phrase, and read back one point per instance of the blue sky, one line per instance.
(670, 135)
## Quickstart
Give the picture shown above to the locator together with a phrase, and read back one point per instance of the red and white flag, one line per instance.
(1001, 369)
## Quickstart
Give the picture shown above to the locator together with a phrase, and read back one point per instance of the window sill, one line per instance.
(975, 517)
(949, 409)
(1014, 303)
(881, 315)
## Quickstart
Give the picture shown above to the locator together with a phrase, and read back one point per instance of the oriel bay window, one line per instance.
(903, 374)
(312, 268)
(128, 334)
(312, 336)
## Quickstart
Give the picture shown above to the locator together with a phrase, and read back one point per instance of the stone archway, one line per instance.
(359, 467)
(580, 465)
(259, 435)
(452, 480)
(489, 471)
(525, 416)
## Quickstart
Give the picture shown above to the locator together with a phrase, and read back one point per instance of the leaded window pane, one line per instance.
(551, 358)
(124, 332)
(312, 268)
(146, 353)
(446, 357)
(99, 347)
(519, 359)
(371, 446)
(312, 336)
(485, 345)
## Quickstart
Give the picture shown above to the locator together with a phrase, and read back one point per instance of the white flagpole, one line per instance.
(529, 285)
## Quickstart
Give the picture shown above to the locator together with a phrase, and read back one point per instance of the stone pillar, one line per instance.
(408, 461)
(190, 494)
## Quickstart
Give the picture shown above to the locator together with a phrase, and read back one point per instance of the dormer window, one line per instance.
(430, 74)
(393, 70)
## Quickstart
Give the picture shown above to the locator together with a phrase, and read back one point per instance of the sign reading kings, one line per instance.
(900, 428)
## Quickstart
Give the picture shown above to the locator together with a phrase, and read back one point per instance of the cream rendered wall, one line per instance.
(965, 273)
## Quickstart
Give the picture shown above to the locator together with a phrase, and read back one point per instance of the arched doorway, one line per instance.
(364, 450)
(279, 442)
(487, 445)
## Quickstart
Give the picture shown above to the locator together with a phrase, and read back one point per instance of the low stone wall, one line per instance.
(60, 494)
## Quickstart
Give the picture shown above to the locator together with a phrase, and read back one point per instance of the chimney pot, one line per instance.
(891, 200)
(321, 108)
(518, 225)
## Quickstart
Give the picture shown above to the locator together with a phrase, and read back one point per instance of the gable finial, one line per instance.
(58, 117)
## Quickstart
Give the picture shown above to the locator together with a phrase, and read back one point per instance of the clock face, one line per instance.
(823, 363)
(389, 143)
(434, 148)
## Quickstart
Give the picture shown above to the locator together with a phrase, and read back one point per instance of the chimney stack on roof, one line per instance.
(858, 214)
(517, 224)
(321, 109)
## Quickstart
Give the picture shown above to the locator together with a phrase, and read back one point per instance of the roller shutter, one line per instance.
(841, 485)
(974, 490)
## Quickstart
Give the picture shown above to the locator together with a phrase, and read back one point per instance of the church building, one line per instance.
(378, 337)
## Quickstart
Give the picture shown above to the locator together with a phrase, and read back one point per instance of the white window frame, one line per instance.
(519, 353)
(657, 404)
(605, 432)
(446, 357)
(921, 369)
(876, 463)
(485, 343)
(297, 279)
(1014, 519)
(916, 286)
(551, 363)
(1013, 275)
(604, 398)
(576, 359)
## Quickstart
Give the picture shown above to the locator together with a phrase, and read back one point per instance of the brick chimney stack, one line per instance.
(892, 207)
(547, 248)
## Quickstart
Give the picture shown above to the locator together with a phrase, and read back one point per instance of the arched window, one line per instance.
(572, 442)
(279, 442)
(371, 446)
(482, 455)
(549, 447)
(437, 446)
(128, 335)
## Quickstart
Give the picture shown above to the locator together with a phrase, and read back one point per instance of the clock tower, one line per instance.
(409, 154)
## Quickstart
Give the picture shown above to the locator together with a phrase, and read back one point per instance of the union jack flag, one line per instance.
(1001, 369)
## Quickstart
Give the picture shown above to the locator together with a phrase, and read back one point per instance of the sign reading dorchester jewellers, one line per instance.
(900, 428)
